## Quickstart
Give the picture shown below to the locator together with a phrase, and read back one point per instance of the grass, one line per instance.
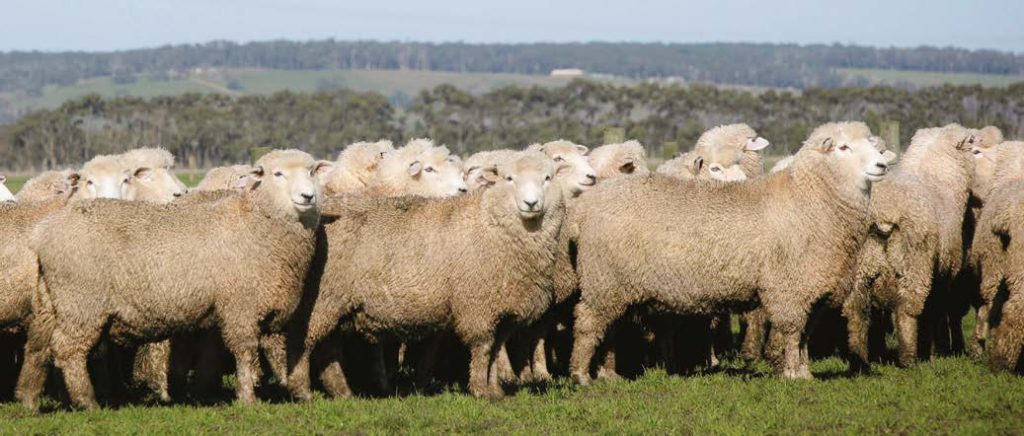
(946, 395)
(926, 78)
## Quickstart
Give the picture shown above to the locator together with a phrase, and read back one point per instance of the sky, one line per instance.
(103, 25)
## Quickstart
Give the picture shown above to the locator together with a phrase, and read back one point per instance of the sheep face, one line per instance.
(290, 176)
(156, 185)
(984, 168)
(436, 173)
(5, 194)
(364, 157)
(723, 164)
(528, 183)
(855, 158)
(104, 177)
(579, 175)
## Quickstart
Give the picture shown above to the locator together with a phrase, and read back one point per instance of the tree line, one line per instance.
(214, 129)
(772, 65)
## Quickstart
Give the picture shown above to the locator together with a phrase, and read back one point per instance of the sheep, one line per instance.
(684, 166)
(475, 166)
(151, 176)
(994, 251)
(612, 160)
(48, 185)
(247, 277)
(478, 264)
(232, 177)
(420, 168)
(914, 245)
(737, 245)
(355, 167)
(561, 151)
(5, 194)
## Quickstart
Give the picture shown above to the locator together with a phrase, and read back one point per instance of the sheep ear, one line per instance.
(73, 179)
(889, 156)
(966, 143)
(827, 144)
(490, 175)
(3, 179)
(627, 168)
(322, 167)
(756, 144)
(143, 174)
(563, 169)
(698, 164)
(582, 149)
(415, 168)
(257, 173)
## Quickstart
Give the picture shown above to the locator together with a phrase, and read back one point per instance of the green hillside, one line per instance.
(927, 78)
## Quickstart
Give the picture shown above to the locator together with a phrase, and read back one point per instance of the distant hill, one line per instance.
(774, 65)
(398, 70)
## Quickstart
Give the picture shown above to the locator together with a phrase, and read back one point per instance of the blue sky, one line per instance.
(120, 24)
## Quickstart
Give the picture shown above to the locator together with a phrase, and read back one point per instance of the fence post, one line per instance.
(614, 135)
(891, 135)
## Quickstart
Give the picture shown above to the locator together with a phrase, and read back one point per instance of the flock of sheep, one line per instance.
(282, 262)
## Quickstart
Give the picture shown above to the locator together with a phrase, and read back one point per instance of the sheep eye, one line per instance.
(429, 169)
(509, 178)
(559, 159)
(547, 178)
(716, 169)
(278, 174)
(844, 147)
(89, 182)
(976, 151)
(125, 180)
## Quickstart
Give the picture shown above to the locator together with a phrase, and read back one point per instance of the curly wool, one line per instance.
(910, 242)
(232, 177)
(746, 251)
(48, 185)
(404, 267)
(393, 176)
(355, 167)
(251, 250)
(611, 160)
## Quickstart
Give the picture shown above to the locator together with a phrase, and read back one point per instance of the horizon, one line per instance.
(119, 25)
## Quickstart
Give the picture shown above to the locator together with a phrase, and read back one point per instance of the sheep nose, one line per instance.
(530, 204)
(592, 177)
(178, 194)
(308, 197)
(463, 190)
(882, 165)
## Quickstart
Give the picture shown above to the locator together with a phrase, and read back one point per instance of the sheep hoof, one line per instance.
(606, 375)
(581, 379)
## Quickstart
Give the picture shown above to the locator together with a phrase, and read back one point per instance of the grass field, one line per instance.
(924, 78)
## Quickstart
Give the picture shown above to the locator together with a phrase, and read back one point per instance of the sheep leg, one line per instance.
(589, 329)
(539, 363)
(322, 321)
(483, 353)
(1008, 335)
(71, 353)
(381, 351)
(786, 344)
(666, 339)
(753, 340)
(152, 363)
(980, 330)
(275, 350)
(608, 370)
(495, 378)
(244, 345)
(989, 289)
(34, 368)
(906, 331)
(332, 376)
(858, 314)
(504, 365)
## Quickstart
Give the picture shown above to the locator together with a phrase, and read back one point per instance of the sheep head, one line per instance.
(150, 176)
(49, 185)
(578, 175)
(525, 184)
(850, 153)
(104, 176)
(284, 181)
